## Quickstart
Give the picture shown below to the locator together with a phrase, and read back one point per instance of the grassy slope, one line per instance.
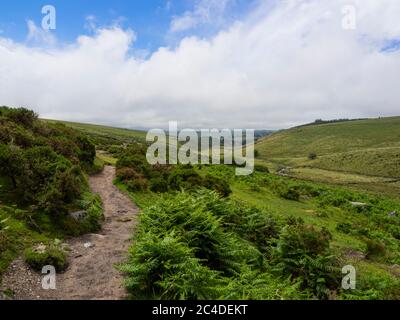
(326, 139)
(361, 149)
(347, 246)
(125, 135)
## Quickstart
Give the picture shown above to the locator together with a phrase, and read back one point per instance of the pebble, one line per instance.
(88, 245)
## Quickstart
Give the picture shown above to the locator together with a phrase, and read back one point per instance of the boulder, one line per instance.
(393, 214)
(78, 215)
(359, 204)
(88, 245)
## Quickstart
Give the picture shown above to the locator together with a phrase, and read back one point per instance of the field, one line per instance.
(362, 154)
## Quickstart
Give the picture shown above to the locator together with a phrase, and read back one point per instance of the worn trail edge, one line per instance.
(91, 273)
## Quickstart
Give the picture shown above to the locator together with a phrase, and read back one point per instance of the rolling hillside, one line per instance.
(362, 148)
(105, 132)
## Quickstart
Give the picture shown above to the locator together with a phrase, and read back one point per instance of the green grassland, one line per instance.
(105, 134)
(263, 236)
(364, 154)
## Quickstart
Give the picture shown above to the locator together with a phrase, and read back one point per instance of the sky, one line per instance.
(262, 64)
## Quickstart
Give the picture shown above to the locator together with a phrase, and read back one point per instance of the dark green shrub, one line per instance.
(312, 156)
(290, 193)
(91, 205)
(126, 174)
(115, 149)
(184, 178)
(158, 185)
(259, 228)
(87, 150)
(21, 116)
(375, 248)
(97, 167)
(394, 231)
(303, 252)
(301, 238)
(331, 198)
(136, 162)
(344, 227)
(22, 137)
(64, 147)
(52, 256)
(261, 168)
(140, 184)
(13, 164)
(217, 184)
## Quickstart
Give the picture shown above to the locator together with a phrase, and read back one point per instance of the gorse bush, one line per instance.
(137, 174)
(25, 117)
(44, 163)
(375, 248)
(159, 185)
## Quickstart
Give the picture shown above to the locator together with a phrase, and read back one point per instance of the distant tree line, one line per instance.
(320, 121)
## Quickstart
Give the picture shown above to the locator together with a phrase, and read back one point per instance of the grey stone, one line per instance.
(359, 204)
(78, 215)
(393, 214)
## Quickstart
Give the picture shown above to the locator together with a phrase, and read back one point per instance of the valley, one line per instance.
(284, 232)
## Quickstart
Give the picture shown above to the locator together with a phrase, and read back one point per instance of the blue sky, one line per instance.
(150, 19)
(251, 63)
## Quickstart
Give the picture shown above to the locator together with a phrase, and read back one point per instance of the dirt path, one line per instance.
(91, 274)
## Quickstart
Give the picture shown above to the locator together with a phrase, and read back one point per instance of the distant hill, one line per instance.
(258, 134)
(369, 147)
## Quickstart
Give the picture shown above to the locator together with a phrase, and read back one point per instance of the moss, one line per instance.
(8, 293)
(51, 255)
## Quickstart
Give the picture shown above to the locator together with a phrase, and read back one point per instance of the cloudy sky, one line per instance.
(204, 63)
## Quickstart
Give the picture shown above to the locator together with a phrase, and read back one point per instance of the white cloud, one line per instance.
(185, 22)
(287, 63)
(205, 12)
(90, 23)
(39, 36)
